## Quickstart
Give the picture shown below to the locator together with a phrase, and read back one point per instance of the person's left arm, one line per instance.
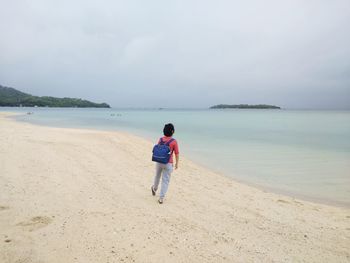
(176, 150)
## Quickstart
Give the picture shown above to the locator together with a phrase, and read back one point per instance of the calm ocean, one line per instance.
(301, 153)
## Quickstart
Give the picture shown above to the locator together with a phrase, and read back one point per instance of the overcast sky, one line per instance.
(291, 53)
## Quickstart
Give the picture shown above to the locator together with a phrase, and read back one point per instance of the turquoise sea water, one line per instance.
(301, 153)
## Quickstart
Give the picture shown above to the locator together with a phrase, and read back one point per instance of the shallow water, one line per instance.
(303, 153)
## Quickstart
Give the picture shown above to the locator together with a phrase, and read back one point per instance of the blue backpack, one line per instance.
(161, 152)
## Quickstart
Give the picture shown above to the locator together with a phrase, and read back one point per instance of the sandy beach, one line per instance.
(69, 195)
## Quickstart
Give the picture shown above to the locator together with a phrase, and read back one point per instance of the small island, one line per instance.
(244, 106)
(10, 97)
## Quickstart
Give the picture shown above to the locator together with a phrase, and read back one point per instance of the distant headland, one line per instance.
(10, 97)
(244, 106)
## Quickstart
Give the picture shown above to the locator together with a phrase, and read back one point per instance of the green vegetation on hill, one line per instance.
(11, 97)
(244, 106)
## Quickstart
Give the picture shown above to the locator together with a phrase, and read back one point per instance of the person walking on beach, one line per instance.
(167, 145)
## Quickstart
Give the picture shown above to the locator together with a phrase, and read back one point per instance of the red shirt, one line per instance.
(173, 146)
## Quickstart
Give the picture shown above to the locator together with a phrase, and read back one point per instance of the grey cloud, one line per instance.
(139, 53)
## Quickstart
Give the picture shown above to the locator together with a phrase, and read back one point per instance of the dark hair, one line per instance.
(168, 130)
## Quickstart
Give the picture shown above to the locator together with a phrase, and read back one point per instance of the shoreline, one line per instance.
(264, 188)
(78, 195)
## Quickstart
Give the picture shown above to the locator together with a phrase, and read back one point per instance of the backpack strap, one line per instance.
(166, 143)
(170, 141)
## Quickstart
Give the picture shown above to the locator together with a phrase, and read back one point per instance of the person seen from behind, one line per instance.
(163, 156)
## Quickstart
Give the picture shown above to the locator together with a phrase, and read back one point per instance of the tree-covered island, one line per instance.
(10, 97)
(244, 106)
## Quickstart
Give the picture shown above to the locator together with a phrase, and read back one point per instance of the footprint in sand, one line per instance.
(2, 207)
(35, 223)
(282, 201)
